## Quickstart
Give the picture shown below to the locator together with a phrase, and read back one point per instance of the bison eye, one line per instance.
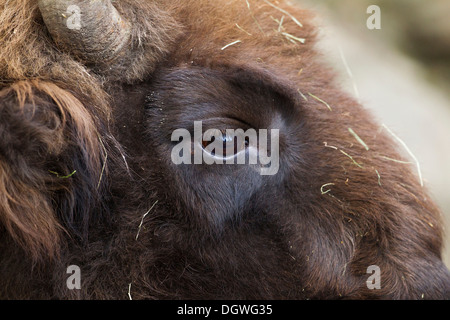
(230, 143)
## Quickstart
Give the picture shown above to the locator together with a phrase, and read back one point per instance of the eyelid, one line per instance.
(223, 123)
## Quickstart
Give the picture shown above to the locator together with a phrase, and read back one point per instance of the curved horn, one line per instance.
(91, 30)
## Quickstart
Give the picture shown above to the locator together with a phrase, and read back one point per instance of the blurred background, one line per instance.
(401, 72)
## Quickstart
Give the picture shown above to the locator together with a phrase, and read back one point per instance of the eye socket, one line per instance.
(231, 144)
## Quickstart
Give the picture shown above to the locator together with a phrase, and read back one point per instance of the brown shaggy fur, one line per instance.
(85, 152)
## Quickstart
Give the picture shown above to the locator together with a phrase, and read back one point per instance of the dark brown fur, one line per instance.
(214, 231)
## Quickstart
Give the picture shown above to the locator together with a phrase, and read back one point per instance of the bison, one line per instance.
(91, 93)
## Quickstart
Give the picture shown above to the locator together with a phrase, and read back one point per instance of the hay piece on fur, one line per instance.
(285, 12)
(230, 44)
(326, 185)
(407, 150)
(291, 37)
(327, 146)
(62, 177)
(351, 158)
(379, 177)
(104, 162)
(320, 100)
(242, 29)
(303, 96)
(280, 24)
(143, 217)
(358, 138)
(395, 160)
(349, 72)
(129, 292)
(251, 14)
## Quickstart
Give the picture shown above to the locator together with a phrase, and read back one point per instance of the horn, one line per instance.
(91, 30)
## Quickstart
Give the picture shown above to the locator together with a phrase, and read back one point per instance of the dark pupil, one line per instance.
(228, 142)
